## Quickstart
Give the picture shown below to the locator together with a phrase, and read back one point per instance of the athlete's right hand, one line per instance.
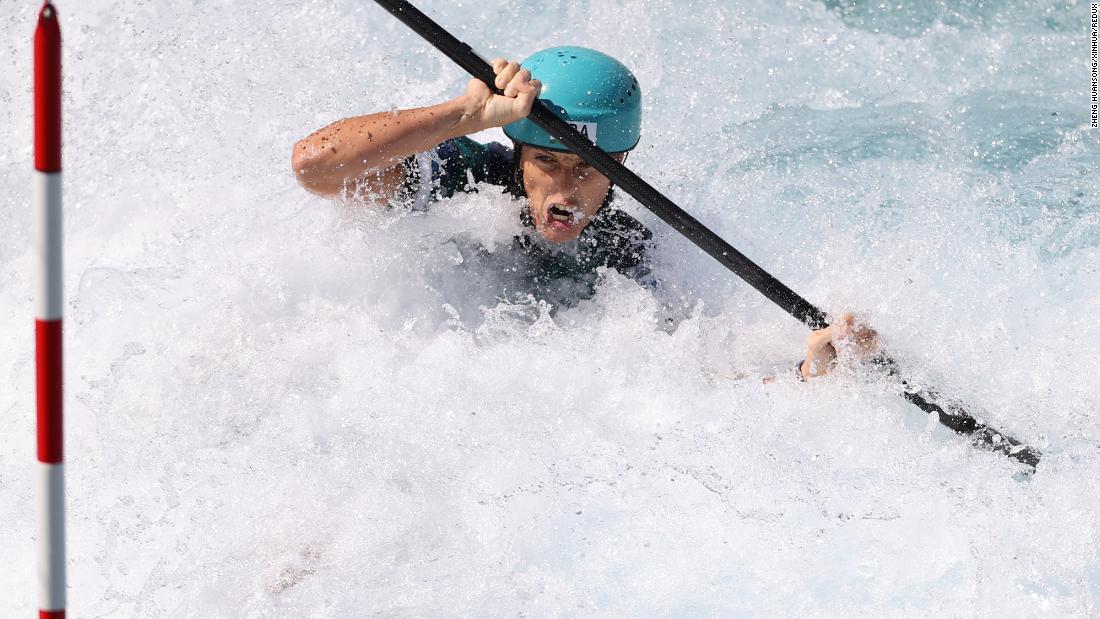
(491, 110)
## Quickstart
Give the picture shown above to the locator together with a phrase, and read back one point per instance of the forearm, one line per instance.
(335, 155)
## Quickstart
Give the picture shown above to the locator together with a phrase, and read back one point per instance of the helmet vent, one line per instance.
(585, 84)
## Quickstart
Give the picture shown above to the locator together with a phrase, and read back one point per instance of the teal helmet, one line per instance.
(588, 89)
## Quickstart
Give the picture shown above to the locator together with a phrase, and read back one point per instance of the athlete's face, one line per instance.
(564, 191)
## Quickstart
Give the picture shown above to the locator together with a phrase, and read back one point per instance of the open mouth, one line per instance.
(561, 218)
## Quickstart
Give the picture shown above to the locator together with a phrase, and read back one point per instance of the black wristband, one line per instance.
(798, 370)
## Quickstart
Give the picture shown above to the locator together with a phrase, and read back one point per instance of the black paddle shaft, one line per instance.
(664, 208)
(462, 54)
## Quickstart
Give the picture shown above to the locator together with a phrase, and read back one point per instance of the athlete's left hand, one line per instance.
(853, 339)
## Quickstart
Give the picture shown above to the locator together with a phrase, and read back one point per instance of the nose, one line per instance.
(565, 182)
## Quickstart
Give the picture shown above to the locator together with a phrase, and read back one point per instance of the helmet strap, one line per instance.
(517, 188)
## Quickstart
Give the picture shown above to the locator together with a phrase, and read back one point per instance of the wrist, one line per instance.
(466, 111)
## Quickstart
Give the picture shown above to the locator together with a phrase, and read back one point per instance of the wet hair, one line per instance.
(515, 185)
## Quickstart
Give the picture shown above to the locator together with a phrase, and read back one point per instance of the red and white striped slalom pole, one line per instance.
(47, 324)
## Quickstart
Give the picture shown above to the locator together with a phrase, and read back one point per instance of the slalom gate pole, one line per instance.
(47, 324)
(952, 416)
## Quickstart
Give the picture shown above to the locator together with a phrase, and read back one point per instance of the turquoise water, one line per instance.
(282, 406)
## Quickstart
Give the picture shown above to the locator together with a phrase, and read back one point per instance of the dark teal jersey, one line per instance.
(612, 239)
(454, 166)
